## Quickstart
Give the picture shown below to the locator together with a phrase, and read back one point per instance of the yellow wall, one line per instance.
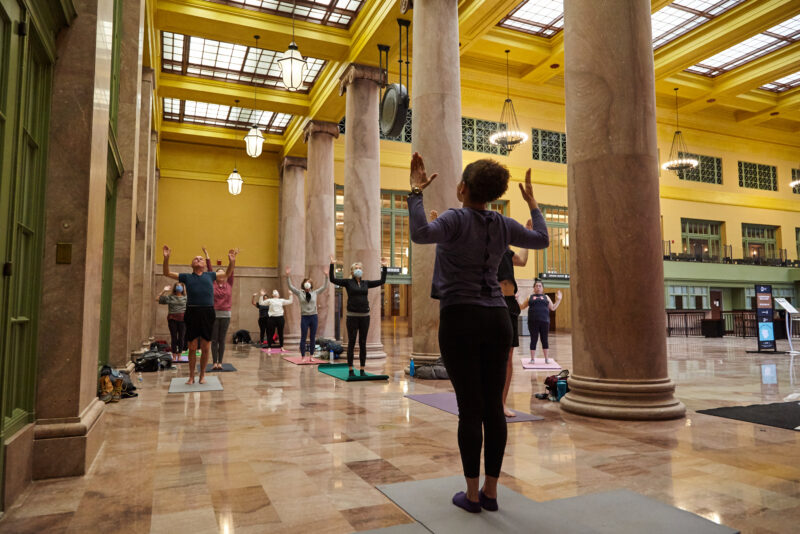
(195, 209)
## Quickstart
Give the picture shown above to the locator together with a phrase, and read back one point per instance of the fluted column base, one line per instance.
(640, 400)
(375, 351)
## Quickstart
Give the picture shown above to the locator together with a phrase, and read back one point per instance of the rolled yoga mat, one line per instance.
(297, 360)
(447, 402)
(342, 372)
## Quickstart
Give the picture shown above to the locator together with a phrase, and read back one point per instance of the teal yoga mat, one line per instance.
(342, 372)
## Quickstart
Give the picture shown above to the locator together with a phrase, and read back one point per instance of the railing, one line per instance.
(740, 323)
(706, 258)
(685, 323)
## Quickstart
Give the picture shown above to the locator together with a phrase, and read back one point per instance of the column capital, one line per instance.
(148, 74)
(290, 161)
(356, 71)
(312, 127)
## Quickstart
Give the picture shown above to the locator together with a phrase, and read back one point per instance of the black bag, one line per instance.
(242, 336)
(152, 361)
(159, 346)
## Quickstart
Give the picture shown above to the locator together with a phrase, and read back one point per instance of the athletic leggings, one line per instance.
(474, 341)
(262, 327)
(308, 322)
(357, 326)
(177, 335)
(275, 322)
(218, 335)
(539, 329)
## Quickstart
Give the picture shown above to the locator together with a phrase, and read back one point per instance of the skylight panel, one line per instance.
(775, 38)
(189, 111)
(544, 18)
(783, 84)
(229, 62)
(682, 16)
(336, 13)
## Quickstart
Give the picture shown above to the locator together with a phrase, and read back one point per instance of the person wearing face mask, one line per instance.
(308, 311)
(275, 313)
(175, 298)
(222, 312)
(199, 316)
(357, 309)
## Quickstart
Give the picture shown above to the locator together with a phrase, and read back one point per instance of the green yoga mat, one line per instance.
(342, 372)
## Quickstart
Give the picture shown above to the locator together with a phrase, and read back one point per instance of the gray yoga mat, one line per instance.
(179, 385)
(615, 512)
(408, 528)
(447, 402)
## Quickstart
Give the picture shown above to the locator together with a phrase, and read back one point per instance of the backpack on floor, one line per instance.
(551, 382)
(152, 361)
(241, 336)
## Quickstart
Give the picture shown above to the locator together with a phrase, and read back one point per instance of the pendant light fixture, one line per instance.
(235, 179)
(254, 140)
(679, 159)
(512, 135)
(293, 66)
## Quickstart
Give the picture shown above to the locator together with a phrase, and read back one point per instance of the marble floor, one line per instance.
(285, 448)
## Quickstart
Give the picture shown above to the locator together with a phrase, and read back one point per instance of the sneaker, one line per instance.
(352, 373)
(363, 373)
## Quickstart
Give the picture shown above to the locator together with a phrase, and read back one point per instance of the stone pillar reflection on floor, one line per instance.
(436, 100)
(70, 425)
(291, 244)
(362, 187)
(618, 344)
(320, 216)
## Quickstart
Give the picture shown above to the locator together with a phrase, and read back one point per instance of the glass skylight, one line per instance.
(206, 58)
(336, 13)
(775, 38)
(544, 18)
(682, 16)
(189, 111)
(783, 84)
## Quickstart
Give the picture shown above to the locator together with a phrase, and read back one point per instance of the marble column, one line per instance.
(149, 292)
(139, 300)
(127, 134)
(320, 216)
(436, 103)
(362, 186)
(618, 344)
(291, 246)
(70, 424)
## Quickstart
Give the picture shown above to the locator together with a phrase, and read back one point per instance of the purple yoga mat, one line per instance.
(447, 402)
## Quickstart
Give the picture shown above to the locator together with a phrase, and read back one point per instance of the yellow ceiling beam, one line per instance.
(724, 31)
(750, 76)
(225, 93)
(477, 17)
(376, 23)
(236, 25)
(789, 101)
(213, 135)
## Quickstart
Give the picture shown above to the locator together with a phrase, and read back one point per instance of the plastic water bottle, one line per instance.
(139, 377)
(411, 367)
(561, 387)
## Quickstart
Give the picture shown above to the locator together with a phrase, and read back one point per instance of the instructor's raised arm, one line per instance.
(166, 272)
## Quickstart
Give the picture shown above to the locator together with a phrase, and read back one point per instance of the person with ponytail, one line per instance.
(309, 320)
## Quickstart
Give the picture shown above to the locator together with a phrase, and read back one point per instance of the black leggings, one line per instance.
(177, 335)
(262, 326)
(357, 326)
(539, 329)
(275, 322)
(474, 341)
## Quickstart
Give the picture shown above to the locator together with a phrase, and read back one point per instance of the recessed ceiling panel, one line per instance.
(682, 16)
(537, 17)
(336, 13)
(783, 84)
(189, 111)
(206, 58)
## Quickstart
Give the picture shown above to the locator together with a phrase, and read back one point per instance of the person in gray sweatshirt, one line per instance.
(175, 298)
(308, 311)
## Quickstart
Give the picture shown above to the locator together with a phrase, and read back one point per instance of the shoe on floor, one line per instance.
(487, 503)
(460, 500)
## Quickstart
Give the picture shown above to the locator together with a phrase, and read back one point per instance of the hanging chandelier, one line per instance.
(235, 182)
(679, 158)
(254, 140)
(511, 136)
(293, 66)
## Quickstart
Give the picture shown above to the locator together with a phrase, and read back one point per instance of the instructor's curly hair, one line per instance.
(487, 180)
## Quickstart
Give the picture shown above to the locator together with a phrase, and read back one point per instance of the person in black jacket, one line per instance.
(357, 309)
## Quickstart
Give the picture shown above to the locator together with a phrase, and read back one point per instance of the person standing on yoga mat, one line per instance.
(199, 317)
(222, 311)
(275, 317)
(474, 326)
(177, 308)
(357, 309)
(263, 317)
(539, 307)
(308, 311)
(508, 285)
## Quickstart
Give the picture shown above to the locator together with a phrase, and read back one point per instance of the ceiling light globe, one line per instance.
(293, 68)
(235, 183)
(254, 142)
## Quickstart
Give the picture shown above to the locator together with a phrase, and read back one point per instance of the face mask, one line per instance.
(275, 294)
(307, 286)
(357, 273)
(179, 289)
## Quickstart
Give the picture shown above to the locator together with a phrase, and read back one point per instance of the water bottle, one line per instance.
(331, 356)
(561, 387)
(139, 377)
(411, 367)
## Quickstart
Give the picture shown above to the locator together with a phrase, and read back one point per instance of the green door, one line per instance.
(25, 81)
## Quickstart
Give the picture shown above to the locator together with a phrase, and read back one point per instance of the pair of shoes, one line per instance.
(106, 389)
(460, 500)
(487, 503)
